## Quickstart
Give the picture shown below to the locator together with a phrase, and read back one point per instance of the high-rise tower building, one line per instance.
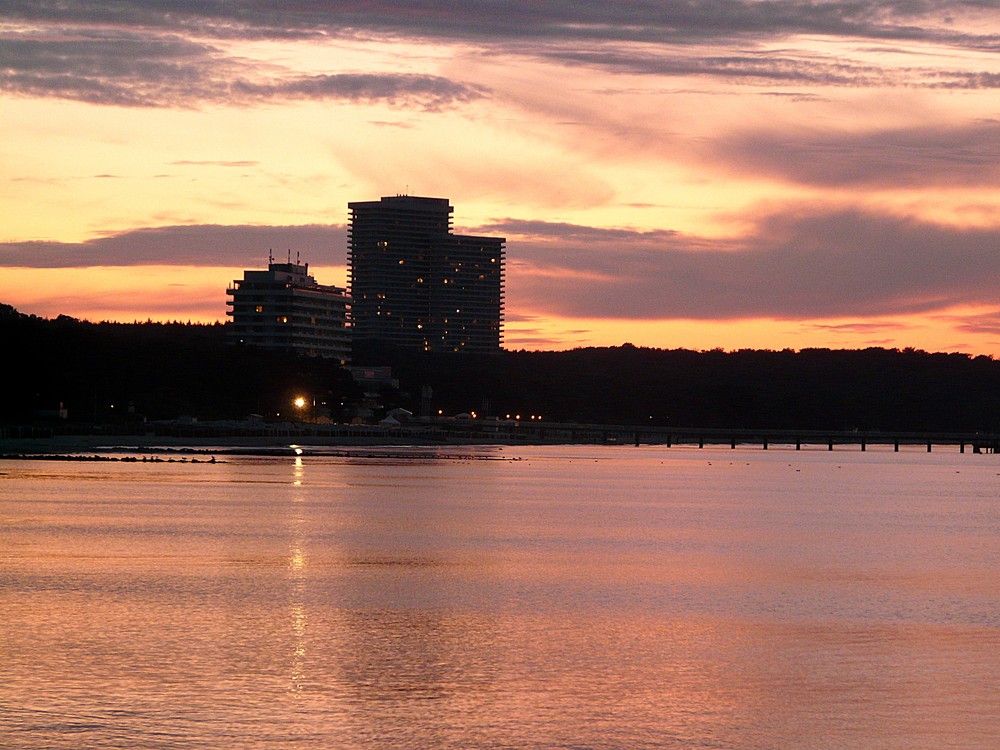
(283, 308)
(413, 283)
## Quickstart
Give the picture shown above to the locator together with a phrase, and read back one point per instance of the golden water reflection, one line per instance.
(298, 575)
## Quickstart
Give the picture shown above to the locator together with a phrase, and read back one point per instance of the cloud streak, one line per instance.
(813, 264)
(966, 155)
(769, 68)
(204, 245)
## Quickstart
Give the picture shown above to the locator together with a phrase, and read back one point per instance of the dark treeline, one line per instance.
(101, 371)
(870, 389)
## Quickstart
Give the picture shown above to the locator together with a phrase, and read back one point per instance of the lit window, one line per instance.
(282, 318)
(259, 308)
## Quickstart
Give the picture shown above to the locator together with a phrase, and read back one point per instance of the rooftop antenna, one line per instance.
(289, 255)
(296, 257)
(270, 256)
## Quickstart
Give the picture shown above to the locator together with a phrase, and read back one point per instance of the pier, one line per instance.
(450, 431)
(828, 439)
(734, 438)
(572, 433)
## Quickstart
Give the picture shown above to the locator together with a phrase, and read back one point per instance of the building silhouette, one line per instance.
(284, 309)
(416, 284)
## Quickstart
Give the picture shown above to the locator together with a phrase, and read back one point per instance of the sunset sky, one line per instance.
(699, 174)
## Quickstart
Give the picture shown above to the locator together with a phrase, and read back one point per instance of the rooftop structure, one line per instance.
(416, 284)
(284, 309)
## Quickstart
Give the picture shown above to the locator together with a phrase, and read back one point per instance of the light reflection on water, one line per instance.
(580, 597)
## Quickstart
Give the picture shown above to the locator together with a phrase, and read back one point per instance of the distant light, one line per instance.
(298, 451)
(299, 402)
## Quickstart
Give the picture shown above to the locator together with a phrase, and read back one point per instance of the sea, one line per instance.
(576, 597)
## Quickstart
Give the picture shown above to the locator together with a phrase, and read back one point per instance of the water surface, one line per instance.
(529, 597)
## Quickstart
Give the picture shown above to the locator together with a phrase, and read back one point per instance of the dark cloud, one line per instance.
(122, 69)
(859, 327)
(806, 265)
(428, 92)
(812, 264)
(135, 70)
(172, 52)
(553, 20)
(909, 157)
(987, 322)
(771, 68)
(762, 67)
(203, 245)
(571, 232)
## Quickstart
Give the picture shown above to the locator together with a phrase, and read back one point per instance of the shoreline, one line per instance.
(214, 449)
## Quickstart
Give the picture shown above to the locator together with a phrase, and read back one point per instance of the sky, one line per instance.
(701, 174)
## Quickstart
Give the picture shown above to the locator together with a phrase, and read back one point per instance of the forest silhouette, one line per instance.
(105, 373)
